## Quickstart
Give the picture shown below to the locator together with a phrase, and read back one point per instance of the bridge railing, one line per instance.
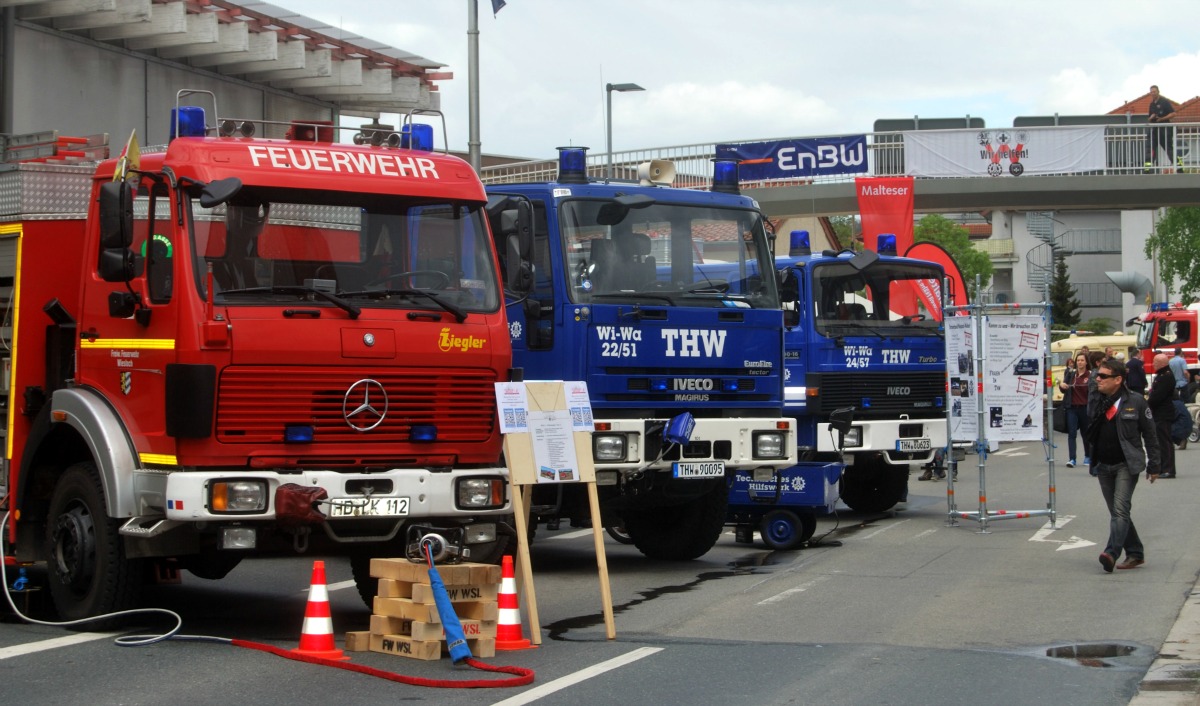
(1124, 146)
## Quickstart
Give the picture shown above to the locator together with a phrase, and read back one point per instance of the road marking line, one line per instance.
(338, 586)
(798, 589)
(569, 535)
(885, 528)
(53, 643)
(1043, 535)
(582, 675)
(925, 533)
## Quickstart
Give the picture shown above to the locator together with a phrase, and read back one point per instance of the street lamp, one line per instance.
(608, 91)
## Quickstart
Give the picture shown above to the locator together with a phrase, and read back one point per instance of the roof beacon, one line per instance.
(800, 244)
(725, 175)
(886, 244)
(572, 165)
(187, 121)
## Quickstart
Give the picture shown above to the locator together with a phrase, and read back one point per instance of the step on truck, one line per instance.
(864, 332)
(247, 345)
(658, 299)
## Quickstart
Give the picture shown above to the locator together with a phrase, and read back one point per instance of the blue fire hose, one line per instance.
(456, 639)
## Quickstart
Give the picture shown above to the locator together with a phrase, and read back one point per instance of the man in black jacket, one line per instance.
(1162, 404)
(1123, 445)
(1137, 374)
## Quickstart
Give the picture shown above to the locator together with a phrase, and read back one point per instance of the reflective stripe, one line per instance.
(154, 344)
(159, 459)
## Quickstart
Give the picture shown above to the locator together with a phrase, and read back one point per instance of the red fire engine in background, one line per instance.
(242, 345)
(1166, 327)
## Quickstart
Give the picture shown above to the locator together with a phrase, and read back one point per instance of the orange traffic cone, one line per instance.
(316, 638)
(508, 629)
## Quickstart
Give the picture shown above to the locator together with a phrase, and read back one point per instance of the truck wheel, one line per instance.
(680, 532)
(873, 485)
(808, 526)
(87, 570)
(618, 533)
(780, 529)
(360, 569)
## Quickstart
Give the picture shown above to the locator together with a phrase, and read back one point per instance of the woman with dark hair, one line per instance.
(1075, 387)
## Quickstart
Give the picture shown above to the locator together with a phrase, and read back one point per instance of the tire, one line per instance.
(87, 571)
(360, 569)
(871, 485)
(680, 532)
(618, 533)
(1194, 437)
(780, 529)
(808, 526)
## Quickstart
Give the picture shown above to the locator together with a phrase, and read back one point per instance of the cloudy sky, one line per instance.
(742, 70)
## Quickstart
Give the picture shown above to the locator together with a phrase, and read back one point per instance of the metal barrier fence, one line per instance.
(1125, 153)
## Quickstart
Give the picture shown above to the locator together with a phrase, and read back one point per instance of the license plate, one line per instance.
(706, 469)
(363, 507)
(913, 445)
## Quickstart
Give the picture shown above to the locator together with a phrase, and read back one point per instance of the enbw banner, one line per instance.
(791, 159)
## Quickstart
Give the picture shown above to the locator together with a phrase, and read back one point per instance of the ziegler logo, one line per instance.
(692, 384)
(448, 342)
(899, 391)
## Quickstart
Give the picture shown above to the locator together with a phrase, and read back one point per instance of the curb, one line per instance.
(1174, 677)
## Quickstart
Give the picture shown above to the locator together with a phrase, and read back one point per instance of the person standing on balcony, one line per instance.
(1160, 111)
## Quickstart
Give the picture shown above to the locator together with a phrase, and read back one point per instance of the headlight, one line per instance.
(853, 437)
(481, 493)
(608, 447)
(237, 496)
(768, 444)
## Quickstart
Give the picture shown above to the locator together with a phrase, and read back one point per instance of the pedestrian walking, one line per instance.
(1124, 444)
(1074, 387)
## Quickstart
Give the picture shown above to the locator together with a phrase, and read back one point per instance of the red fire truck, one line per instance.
(1166, 327)
(245, 345)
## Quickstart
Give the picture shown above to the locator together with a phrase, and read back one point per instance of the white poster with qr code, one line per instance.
(579, 405)
(512, 406)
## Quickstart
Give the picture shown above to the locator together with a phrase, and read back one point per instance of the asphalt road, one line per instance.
(896, 608)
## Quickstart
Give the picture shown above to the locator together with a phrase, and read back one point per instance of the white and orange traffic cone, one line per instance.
(508, 628)
(316, 638)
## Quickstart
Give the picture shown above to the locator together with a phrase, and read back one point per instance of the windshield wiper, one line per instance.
(459, 313)
(627, 295)
(349, 308)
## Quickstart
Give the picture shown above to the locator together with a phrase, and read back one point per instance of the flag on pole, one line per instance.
(130, 158)
(497, 6)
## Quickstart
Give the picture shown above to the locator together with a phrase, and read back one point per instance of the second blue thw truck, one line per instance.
(864, 332)
(656, 297)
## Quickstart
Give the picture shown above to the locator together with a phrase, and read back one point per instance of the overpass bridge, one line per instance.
(1121, 184)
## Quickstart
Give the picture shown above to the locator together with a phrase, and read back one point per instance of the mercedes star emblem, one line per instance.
(365, 405)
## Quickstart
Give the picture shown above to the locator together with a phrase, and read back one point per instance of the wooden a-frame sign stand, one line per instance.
(523, 474)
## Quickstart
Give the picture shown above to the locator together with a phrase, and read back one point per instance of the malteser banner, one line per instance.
(886, 206)
(1003, 151)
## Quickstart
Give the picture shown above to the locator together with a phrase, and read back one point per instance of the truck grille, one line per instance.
(889, 394)
(255, 403)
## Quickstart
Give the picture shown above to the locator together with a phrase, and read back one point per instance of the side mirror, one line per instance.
(116, 214)
(218, 192)
(119, 264)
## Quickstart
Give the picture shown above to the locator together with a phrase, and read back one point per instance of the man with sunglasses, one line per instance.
(1124, 443)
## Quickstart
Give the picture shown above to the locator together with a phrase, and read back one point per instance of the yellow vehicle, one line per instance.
(1063, 351)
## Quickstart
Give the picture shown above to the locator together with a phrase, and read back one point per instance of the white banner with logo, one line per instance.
(1014, 348)
(1003, 151)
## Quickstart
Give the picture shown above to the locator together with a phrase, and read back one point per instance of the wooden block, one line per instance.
(472, 630)
(483, 647)
(485, 573)
(400, 570)
(358, 641)
(405, 608)
(388, 625)
(407, 647)
(392, 588)
(423, 593)
(453, 574)
(479, 610)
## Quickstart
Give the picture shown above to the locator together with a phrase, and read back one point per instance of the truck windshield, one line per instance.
(886, 299)
(272, 246)
(667, 254)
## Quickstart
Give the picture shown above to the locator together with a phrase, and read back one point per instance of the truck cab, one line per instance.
(659, 299)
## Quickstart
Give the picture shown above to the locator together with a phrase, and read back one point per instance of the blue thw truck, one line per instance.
(657, 297)
(863, 332)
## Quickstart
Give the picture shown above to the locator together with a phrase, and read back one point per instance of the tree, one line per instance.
(843, 227)
(1176, 240)
(1098, 326)
(1065, 307)
(956, 241)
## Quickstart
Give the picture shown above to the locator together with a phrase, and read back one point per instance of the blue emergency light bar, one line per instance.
(886, 244)
(423, 432)
(1160, 306)
(417, 136)
(297, 433)
(800, 244)
(725, 176)
(189, 120)
(572, 165)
